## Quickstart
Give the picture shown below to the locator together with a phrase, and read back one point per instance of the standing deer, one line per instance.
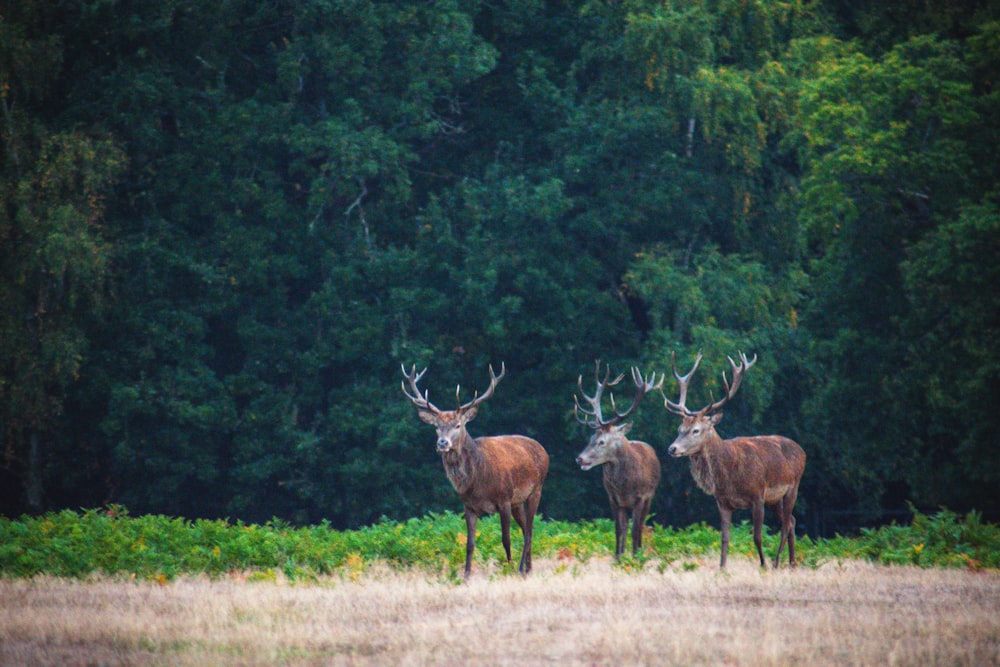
(631, 469)
(742, 473)
(502, 474)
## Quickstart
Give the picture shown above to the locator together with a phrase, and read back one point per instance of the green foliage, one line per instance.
(942, 540)
(113, 543)
(218, 246)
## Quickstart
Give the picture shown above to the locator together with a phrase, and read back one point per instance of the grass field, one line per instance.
(565, 613)
(103, 588)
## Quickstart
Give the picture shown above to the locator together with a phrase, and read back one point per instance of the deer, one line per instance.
(743, 472)
(493, 474)
(631, 469)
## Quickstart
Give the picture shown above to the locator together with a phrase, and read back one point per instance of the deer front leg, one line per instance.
(470, 540)
(726, 518)
(757, 511)
(621, 530)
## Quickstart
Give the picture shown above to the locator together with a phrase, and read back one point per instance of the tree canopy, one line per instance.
(218, 246)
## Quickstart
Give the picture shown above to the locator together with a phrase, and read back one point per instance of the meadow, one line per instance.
(102, 587)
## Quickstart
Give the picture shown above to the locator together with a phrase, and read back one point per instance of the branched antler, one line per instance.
(679, 408)
(476, 398)
(594, 417)
(418, 399)
(421, 401)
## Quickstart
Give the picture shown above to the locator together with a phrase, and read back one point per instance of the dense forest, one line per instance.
(226, 225)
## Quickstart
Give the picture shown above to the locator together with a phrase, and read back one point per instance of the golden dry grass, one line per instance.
(590, 613)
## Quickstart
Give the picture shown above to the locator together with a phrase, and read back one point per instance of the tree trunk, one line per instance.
(33, 486)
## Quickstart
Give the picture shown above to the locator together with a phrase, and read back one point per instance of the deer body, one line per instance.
(492, 472)
(631, 469)
(741, 473)
(630, 475)
(498, 474)
(738, 470)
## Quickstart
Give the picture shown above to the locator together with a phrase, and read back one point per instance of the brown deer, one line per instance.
(742, 473)
(631, 469)
(502, 474)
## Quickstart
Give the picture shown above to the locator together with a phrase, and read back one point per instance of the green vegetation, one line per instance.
(110, 542)
(218, 246)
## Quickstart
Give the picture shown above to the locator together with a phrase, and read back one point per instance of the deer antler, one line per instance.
(679, 408)
(738, 371)
(418, 399)
(593, 417)
(476, 398)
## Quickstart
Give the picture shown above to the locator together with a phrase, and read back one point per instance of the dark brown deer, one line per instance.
(631, 469)
(742, 473)
(502, 474)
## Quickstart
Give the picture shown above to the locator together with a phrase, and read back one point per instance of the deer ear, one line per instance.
(428, 417)
(625, 428)
(470, 414)
(715, 418)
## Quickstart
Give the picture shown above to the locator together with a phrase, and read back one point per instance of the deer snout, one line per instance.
(673, 451)
(584, 464)
(443, 445)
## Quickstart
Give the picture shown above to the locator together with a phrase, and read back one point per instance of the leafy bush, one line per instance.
(110, 542)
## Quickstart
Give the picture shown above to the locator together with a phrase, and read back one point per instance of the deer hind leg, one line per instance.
(504, 512)
(779, 513)
(726, 519)
(788, 524)
(527, 523)
(519, 510)
(757, 510)
(470, 540)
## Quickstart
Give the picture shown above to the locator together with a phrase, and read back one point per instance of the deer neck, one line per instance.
(703, 467)
(461, 463)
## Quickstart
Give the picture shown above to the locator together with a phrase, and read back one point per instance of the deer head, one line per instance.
(698, 428)
(450, 424)
(609, 434)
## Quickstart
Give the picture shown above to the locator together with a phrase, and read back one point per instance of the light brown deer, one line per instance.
(631, 469)
(502, 474)
(742, 473)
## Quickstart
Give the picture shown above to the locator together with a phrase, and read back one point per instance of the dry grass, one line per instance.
(585, 614)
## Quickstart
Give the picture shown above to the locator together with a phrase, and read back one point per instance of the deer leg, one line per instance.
(779, 512)
(726, 518)
(621, 530)
(505, 528)
(470, 540)
(530, 508)
(788, 504)
(758, 525)
(518, 511)
(791, 540)
(638, 519)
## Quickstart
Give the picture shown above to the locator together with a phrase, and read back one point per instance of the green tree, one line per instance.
(954, 329)
(887, 159)
(53, 253)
